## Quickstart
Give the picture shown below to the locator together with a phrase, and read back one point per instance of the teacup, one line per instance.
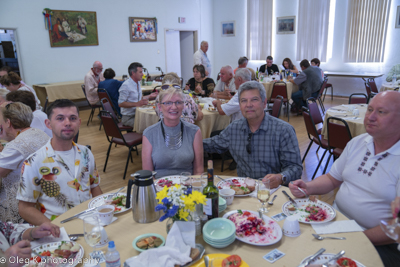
(227, 194)
(291, 226)
(198, 184)
(356, 112)
(106, 213)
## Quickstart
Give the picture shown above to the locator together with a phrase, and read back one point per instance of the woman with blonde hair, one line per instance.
(15, 121)
(172, 145)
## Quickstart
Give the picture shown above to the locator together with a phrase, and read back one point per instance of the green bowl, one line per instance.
(144, 236)
(219, 228)
(221, 201)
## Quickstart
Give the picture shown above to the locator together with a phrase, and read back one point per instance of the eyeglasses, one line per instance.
(170, 103)
(166, 86)
(248, 146)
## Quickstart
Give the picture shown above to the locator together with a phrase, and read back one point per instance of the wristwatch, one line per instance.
(284, 178)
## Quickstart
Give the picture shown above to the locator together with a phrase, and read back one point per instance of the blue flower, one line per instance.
(161, 207)
(188, 191)
(162, 218)
(166, 201)
(172, 211)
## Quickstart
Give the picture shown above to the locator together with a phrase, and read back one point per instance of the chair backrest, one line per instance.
(83, 89)
(310, 125)
(110, 126)
(338, 134)
(371, 95)
(277, 106)
(358, 98)
(372, 85)
(367, 88)
(279, 88)
(323, 86)
(102, 93)
(314, 110)
(108, 107)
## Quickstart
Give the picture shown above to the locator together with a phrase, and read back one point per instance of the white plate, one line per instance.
(225, 184)
(176, 179)
(302, 204)
(270, 238)
(100, 200)
(327, 256)
(54, 245)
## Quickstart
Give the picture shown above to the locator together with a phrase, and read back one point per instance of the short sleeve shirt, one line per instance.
(220, 87)
(232, 108)
(129, 91)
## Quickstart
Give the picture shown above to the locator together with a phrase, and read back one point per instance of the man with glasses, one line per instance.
(263, 146)
(130, 94)
(92, 80)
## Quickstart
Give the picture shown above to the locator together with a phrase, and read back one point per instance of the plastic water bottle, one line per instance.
(112, 256)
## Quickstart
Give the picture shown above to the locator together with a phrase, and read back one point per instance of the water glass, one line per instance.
(263, 193)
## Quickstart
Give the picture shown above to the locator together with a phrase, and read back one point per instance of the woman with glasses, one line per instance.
(15, 121)
(172, 145)
(200, 84)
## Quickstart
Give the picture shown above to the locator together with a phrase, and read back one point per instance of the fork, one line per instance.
(109, 197)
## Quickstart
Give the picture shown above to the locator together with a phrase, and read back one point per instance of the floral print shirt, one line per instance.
(10, 234)
(55, 186)
(189, 112)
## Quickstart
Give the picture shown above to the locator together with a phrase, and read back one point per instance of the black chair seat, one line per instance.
(131, 139)
(124, 127)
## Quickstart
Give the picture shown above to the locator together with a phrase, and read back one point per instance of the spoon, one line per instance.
(114, 194)
(73, 238)
(301, 190)
(272, 201)
(323, 237)
(206, 259)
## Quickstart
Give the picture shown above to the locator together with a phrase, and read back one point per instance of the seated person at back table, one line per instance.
(226, 84)
(367, 174)
(288, 65)
(4, 71)
(269, 68)
(112, 86)
(262, 146)
(394, 71)
(92, 80)
(200, 84)
(242, 63)
(191, 111)
(315, 63)
(172, 145)
(61, 174)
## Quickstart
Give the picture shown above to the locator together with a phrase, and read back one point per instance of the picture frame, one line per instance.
(142, 29)
(73, 28)
(228, 28)
(286, 25)
(397, 21)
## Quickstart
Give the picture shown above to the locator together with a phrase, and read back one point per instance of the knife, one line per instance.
(337, 256)
(78, 214)
(73, 235)
(312, 258)
(291, 199)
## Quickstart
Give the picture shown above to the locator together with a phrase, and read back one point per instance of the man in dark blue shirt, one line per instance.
(112, 86)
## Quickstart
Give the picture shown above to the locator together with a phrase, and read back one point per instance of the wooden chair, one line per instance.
(338, 137)
(321, 91)
(279, 88)
(108, 107)
(313, 136)
(276, 107)
(358, 98)
(93, 107)
(114, 136)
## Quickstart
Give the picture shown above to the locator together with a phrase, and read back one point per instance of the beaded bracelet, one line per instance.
(30, 235)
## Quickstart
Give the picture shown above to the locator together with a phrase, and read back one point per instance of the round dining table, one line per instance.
(268, 85)
(124, 230)
(356, 123)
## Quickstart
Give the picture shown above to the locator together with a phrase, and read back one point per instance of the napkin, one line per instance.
(50, 239)
(351, 118)
(337, 227)
(92, 221)
(151, 107)
(180, 240)
(337, 111)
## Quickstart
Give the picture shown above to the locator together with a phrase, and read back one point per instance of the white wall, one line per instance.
(43, 64)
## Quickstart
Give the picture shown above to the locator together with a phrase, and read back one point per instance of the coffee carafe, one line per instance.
(143, 197)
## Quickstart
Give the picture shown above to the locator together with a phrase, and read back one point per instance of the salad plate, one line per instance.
(321, 259)
(101, 200)
(310, 212)
(167, 181)
(273, 232)
(238, 181)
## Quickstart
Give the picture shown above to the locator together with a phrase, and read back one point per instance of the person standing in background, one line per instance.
(200, 57)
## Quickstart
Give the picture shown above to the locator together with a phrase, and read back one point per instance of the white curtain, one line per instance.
(312, 33)
(366, 30)
(259, 29)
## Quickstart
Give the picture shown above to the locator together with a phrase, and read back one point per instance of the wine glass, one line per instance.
(263, 193)
(392, 228)
(92, 233)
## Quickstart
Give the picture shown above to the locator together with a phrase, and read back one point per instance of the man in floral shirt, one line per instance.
(61, 174)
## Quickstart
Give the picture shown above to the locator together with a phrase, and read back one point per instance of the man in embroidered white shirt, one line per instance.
(92, 79)
(200, 58)
(61, 174)
(367, 174)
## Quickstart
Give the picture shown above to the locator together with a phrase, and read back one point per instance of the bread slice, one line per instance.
(194, 253)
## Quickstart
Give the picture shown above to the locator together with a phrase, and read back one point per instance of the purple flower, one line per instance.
(162, 218)
(166, 201)
(161, 207)
(188, 191)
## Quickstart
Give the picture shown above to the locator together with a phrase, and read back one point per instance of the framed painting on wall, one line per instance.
(142, 29)
(73, 28)
(286, 25)
(398, 17)
(228, 28)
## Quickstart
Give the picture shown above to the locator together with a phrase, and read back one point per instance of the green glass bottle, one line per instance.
(211, 193)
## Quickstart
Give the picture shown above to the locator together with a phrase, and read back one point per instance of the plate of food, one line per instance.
(60, 253)
(252, 230)
(148, 241)
(224, 260)
(118, 201)
(310, 212)
(342, 262)
(167, 181)
(243, 186)
(212, 109)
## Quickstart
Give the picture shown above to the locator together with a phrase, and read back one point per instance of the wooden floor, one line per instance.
(112, 178)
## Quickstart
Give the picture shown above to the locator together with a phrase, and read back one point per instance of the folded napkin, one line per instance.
(92, 221)
(254, 193)
(337, 111)
(351, 118)
(50, 239)
(337, 227)
(180, 240)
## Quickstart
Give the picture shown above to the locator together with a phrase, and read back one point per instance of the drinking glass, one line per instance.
(263, 193)
(392, 228)
(186, 179)
(92, 233)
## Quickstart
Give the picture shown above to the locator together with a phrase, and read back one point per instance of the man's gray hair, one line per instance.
(243, 73)
(242, 60)
(96, 64)
(253, 85)
(228, 68)
(203, 42)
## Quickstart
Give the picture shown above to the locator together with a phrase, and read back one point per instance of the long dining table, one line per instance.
(124, 230)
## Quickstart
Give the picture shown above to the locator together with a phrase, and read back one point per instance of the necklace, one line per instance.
(373, 168)
(173, 142)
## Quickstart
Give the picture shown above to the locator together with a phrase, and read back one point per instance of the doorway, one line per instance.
(8, 50)
(180, 46)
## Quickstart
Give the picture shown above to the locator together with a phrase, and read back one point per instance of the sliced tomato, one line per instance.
(346, 262)
(232, 261)
(246, 213)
